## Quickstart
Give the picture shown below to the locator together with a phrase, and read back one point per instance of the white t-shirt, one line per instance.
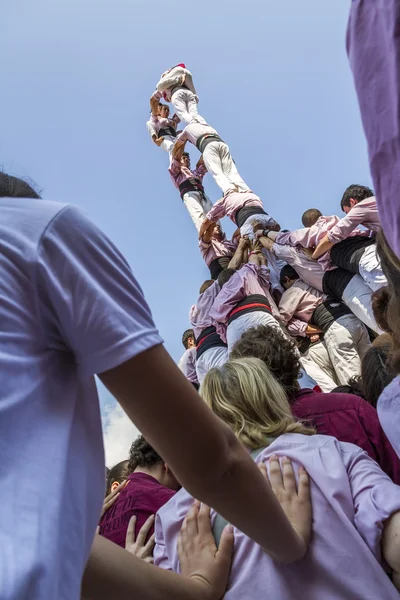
(69, 308)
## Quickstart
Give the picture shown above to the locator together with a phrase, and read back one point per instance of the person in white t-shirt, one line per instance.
(71, 308)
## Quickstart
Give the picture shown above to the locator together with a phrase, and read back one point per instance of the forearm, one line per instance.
(236, 259)
(112, 572)
(322, 247)
(178, 149)
(391, 544)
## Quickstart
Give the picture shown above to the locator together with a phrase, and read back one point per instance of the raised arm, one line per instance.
(179, 146)
(324, 246)
(238, 258)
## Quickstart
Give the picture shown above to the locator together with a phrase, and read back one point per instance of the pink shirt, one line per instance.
(199, 314)
(364, 213)
(297, 305)
(308, 269)
(187, 365)
(179, 173)
(351, 497)
(310, 237)
(215, 249)
(230, 204)
(161, 122)
(248, 280)
(194, 131)
(389, 413)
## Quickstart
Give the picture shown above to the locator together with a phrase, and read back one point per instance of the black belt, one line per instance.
(207, 339)
(245, 212)
(218, 265)
(191, 185)
(167, 131)
(328, 312)
(252, 303)
(206, 139)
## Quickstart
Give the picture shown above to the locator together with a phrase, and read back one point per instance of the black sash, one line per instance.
(207, 339)
(168, 130)
(328, 312)
(335, 282)
(245, 212)
(347, 253)
(206, 139)
(191, 185)
(252, 303)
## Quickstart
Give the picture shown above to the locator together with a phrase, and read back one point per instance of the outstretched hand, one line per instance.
(294, 500)
(138, 546)
(199, 557)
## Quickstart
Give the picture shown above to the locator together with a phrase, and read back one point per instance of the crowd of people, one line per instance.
(284, 416)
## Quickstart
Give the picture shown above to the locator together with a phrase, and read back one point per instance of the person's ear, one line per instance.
(114, 485)
(353, 202)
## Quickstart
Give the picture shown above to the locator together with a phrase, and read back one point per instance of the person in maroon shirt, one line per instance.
(150, 486)
(346, 417)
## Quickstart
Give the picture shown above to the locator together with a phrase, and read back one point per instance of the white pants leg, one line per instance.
(247, 227)
(229, 168)
(358, 297)
(185, 106)
(214, 357)
(318, 365)
(168, 143)
(347, 342)
(198, 206)
(371, 270)
(236, 329)
(213, 161)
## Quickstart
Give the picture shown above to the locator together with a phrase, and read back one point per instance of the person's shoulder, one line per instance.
(320, 402)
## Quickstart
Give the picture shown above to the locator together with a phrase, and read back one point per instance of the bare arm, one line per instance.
(200, 163)
(154, 105)
(215, 468)
(391, 546)
(178, 149)
(205, 226)
(207, 236)
(322, 247)
(237, 259)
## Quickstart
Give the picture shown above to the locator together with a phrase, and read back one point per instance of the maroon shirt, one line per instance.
(348, 418)
(142, 496)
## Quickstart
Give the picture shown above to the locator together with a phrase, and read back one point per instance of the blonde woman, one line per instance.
(356, 522)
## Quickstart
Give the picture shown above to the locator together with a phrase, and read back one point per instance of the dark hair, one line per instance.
(376, 372)
(189, 333)
(118, 472)
(205, 285)
(358, 192)
(380, 303)
(275, 350)
(391, 268)
(354, 387)
(186, 154)
(289, 272)
(14, 187)
(310, 217)
(142, 454)
(225, 276)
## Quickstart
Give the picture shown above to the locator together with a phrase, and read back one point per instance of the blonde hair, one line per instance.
(248, 398)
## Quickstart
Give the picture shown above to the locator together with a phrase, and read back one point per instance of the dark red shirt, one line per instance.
(142, 496)
(348, 418)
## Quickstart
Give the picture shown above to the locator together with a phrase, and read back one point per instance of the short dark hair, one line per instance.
(310, 217)
(119, 473)
(380, 303)
(358, 192)
(289, 272)
(186, 154)
(14, 187)
(376, 372)
(353, 387)
(205, 285)
(225, 276)
(275, 350)
(189, 333)
(141, 454)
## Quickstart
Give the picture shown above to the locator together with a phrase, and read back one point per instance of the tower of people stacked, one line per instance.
(315, 285)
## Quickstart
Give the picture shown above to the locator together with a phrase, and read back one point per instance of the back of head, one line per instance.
(143, 455)
(14, 187)
(247, 397)
(186, 337)
(204, 286)
(310, 217)
(376, 372)
(357, 192)
(287, 272)
(117, 474)
(380, 303)
(391, 268)
(225, 276)
(354, 387)
(275, 350)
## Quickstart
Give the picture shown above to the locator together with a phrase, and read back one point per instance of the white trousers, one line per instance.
(247, 227)
(347, 342)
(358, 297)
(185, 106)
(168, 143)
(318, 365)
(219, 163)
(236, 329)
(371, 270)
(197, 206)
(214, 357)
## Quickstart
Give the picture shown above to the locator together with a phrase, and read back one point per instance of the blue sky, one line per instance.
(272, 78)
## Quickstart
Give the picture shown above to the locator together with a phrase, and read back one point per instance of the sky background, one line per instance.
(272, 78)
